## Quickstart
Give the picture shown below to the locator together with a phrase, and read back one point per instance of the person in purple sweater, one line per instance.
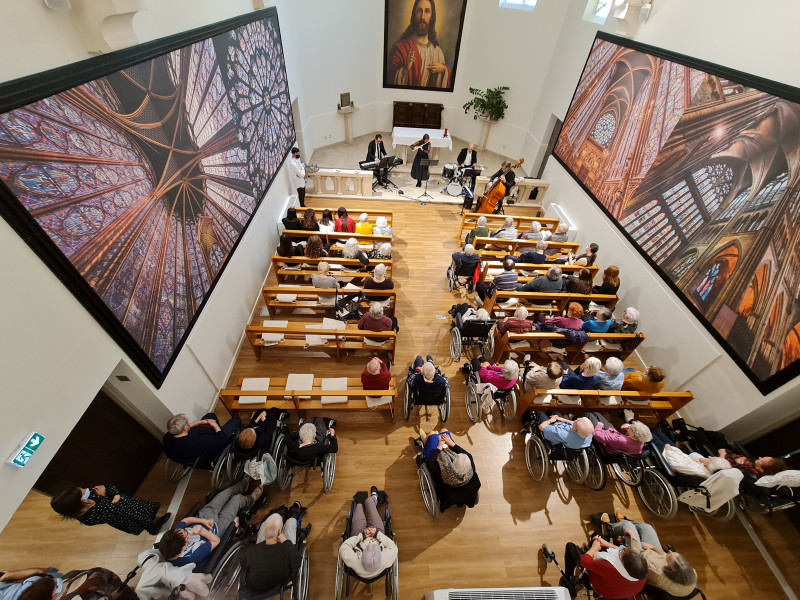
(572, 320)
(503, 378)
(630, 440)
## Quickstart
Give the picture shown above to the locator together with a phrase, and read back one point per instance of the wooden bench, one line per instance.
(532, 343)
(364, 239)
(308, 297)
(308, 267)
(276, 397)
(660, 405)
(494, 222)
(294, 336)
(512, 246)
(554, 302)
(353, 213)
(497, 265)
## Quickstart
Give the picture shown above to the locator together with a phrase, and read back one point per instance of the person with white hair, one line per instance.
(630, 439)
(553, 282)
(611, 377)
(363, 225)
(323, 278)
(382, 227)
(480, 230)
(274, 559)
(445, 458)
(627, 324)
(369, 551)
(382, 252)
(186, 442)
(534, 257)
(560, 235)
(376, 375)
(315, 438)
(582, 378)
(352, 250)
(574, 434)
(507, 232)
(466, 259)
(425, 379)
(379, 281)
(503, 378)
(519, 323)
(600, 322)
(469, 313)
(375, 320)
(535, 232)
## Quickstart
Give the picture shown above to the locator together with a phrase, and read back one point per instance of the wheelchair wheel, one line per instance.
(451, 281)
(393, 581)
(428, 490)
(235, 468)
(455, 344)
(536, 458)
(488, 346)
(596, 473)
(284, 469)
(444, 407)
(508, 406)
(341, 576)
(226, 575)
(578, 468)
(629, 472)
(219, 476)
(752, 504)
(658, 494)
(328, 472)
(300, 587)
(175, 471)
(408, 401)
(473, 402)
(724, 513)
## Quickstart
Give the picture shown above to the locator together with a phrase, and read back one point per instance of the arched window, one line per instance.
(770, 193)
(714, 184)
(754, 290)
(719, 271)
(604, 129)
(683, 265)
(734, 207)
(791, 347)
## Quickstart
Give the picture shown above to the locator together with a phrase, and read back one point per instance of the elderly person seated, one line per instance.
(560, 236)
(273, 559)
(479, 231)
(351, 249)
(615, 572)
(538, 377)
(649, 381)
(628, 322)
(584, 377)
(469, 313)
(382, 227)
(322, 278)
(363, 225)
(572, 319)
(467, 259)
(556, 429)
(452, 469)
(504, 282)
(753, 469)
(534, 257)
(630, 440)
(553, 282)
(378, 281)
(259, 431)
(668, 571)
(315, 438)
(507, 232)
(503, 378)
(611, 377)
(203, 440)
(375, 320)
(382, 252)
(194, 538)
(519, 323)
(376, 375)
(368, 551)
(425, 379)
(600, 323)
(535, 233)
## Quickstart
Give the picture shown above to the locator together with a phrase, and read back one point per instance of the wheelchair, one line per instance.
(416, 398)
(175, 471)
(460, 275)
(540, 454)
(471, 333)
(506, 400)
(345, 573)
(436, 494)
(287, 465)
(228, 574)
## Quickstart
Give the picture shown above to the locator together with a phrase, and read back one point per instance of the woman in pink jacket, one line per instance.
(503, 378)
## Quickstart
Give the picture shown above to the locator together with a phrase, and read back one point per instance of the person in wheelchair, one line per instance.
(465, 262)
(465, 312)
(194, 538)
(313, 440)
(615, 572)
(668, 571)
(630, 440)
(259, 433)
(426, 380)
(503, 378)
(453, 465)
(368, 551)
(203, 440)
(556, 429)
(274, 559)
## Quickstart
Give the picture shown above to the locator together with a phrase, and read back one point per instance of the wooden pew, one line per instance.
(350, 338)
(513, 246)
(276, 397)
(659, 405)
(353, 213)
(308, 297)
(575, 352)
(550, 301)
(308, 267)
(364, 239)
(491, 265)
(494, 222)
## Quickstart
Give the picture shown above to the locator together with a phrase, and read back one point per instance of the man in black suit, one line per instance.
(468, 158)
(376, 151)
(509, 177)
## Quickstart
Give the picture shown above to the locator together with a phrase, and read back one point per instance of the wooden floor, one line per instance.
(493, 544)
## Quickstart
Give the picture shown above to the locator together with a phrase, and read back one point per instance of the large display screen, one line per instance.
(136, 177)
(699, 165)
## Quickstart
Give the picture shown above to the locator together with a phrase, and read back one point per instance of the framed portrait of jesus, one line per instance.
(421, 43)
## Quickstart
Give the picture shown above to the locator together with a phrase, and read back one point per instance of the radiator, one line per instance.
(554, 211)
(530, 593)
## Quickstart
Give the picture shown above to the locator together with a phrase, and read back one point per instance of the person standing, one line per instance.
(298, 174)
(418, 170)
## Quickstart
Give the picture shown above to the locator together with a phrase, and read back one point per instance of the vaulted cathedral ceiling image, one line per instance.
(146, 178)
(701, 172)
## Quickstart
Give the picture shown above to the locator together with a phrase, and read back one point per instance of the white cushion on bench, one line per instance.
(299, 381)
(252, 384)
(375, 401)
(334, 384)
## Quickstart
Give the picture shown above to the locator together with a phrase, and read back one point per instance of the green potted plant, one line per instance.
(490, 105)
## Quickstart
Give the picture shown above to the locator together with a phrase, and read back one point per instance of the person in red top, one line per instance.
(344, 223)
(519, 323)
(503, 378)
(376, 375)
(374, 320)
(615, 572)
(572, 320)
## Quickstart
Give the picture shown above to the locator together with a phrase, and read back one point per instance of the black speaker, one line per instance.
(467, 203)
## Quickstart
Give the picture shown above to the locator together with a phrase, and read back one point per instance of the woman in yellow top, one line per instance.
(649, 381)
(363, 225)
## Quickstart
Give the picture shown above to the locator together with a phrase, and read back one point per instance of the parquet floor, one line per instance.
(494, 544)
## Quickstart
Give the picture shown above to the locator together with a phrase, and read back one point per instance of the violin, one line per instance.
(495, 193)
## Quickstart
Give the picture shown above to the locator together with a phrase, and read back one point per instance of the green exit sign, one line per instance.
(26, 449)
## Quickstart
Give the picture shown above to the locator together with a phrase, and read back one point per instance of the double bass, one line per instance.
(495, 193)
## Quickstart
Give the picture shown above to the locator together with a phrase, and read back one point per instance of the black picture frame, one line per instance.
(28, 90)
(767, 384)
(397, 16)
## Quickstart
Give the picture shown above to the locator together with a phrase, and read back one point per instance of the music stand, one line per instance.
(387, 162)
(427, 162)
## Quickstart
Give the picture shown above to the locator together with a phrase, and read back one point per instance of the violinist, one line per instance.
(419, 171)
